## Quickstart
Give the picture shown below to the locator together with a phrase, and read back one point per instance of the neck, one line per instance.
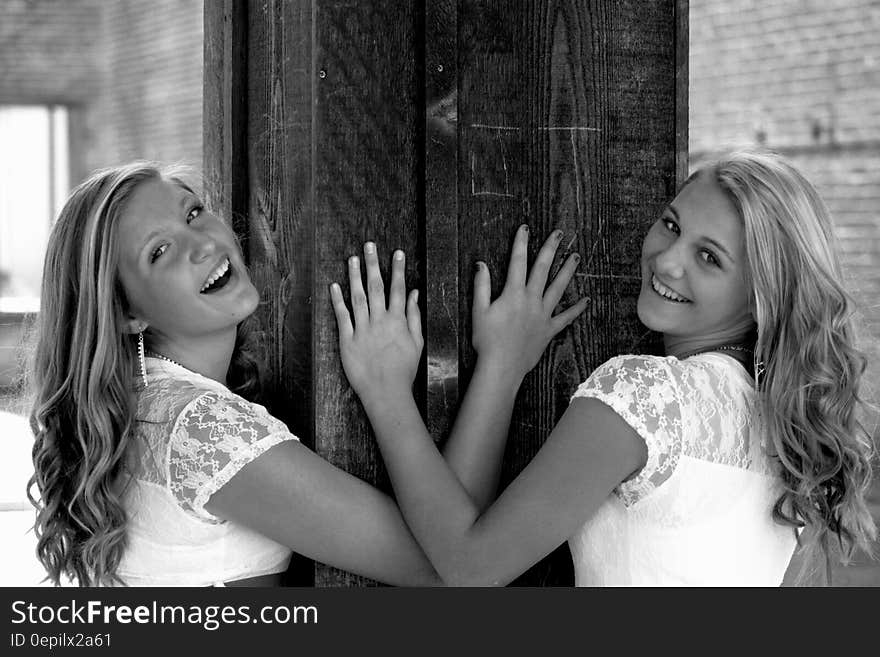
(679, 346)
(208, 355)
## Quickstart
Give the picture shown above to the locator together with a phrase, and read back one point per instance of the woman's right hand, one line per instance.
(514, 330)
(381, 351)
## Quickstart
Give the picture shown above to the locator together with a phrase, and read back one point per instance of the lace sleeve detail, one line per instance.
(214, 437)
(641, 391)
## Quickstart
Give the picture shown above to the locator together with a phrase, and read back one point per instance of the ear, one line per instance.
(132, 324)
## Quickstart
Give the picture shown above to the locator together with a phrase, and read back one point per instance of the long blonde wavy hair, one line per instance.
(808, 367)
(81, 379)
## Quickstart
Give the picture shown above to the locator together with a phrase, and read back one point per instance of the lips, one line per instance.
(218, 278)
(667, 292)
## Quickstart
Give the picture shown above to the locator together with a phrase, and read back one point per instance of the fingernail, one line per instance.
(398, 255)
(416, 295)
(369, 247)
(557, 235)
(334, 288)
(354, 261)
(525, 228)
(577, 257)
(478, 266)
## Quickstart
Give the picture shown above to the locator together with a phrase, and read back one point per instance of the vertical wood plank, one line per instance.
(566, 120)
(281, 220)
(225, 110)
(441, 301)
(369, 185)
(682, 86)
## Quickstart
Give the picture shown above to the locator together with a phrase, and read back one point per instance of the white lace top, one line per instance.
(700, 511)
(192, 435)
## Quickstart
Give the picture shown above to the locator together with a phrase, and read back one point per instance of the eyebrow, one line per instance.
(184, 201)
(670, 208)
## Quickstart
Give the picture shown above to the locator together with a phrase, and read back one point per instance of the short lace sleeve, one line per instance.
(214, 437)
(641, 390)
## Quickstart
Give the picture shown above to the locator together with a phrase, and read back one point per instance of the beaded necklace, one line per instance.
(726, 347)
(154, 354)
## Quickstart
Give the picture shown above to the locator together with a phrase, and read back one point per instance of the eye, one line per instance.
(157, 252)
(709, 258)
(194, 213)
(670, 225)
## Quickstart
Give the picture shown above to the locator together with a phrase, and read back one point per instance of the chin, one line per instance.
(646, 316)
(250, 302)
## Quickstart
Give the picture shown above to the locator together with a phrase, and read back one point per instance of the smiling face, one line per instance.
(180, 266)
(694, 288)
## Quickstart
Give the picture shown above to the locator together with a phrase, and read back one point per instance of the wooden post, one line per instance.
(439, 128)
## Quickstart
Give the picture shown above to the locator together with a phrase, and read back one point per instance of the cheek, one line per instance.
(653, 243)
(730, 296)
(131, 288)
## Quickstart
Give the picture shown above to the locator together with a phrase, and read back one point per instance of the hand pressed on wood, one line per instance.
(380, 352)
(514, 330)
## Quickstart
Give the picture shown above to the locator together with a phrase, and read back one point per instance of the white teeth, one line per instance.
(665, 291)
(217, 273)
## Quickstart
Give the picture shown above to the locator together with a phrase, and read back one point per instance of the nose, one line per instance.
(670, 262)
(202, 247)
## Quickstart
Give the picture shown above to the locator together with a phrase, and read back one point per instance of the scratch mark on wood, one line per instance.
(473, 174)
(577, 177)
(494, 127)
(485, 126)
(505, 194)
(504, 164)
(572, 128)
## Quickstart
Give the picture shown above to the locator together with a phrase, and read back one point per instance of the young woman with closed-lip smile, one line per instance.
(694, 468)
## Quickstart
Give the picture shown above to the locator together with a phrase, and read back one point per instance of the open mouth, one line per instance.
(218, 278)
(666, 292)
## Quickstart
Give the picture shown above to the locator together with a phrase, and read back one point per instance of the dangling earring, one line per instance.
(141, 358)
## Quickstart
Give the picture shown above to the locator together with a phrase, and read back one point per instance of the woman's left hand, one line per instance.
(381, 352)
(512, 332)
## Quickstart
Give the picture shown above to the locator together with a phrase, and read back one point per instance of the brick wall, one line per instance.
(129, 70)
(798, 71)
(801, 77)
(152, 98)
(47, 50)
(48, 56)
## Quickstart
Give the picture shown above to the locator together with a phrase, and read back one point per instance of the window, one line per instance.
(34, 183)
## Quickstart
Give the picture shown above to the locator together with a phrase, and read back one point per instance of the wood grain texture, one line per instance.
(682, 85)
(438, 128)
(567, 119)
(369, 185)
(442, 327)
(281, 219)
(225, 111)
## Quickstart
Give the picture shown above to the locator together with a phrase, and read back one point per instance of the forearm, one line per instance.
(476, 444)
(438, 509)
